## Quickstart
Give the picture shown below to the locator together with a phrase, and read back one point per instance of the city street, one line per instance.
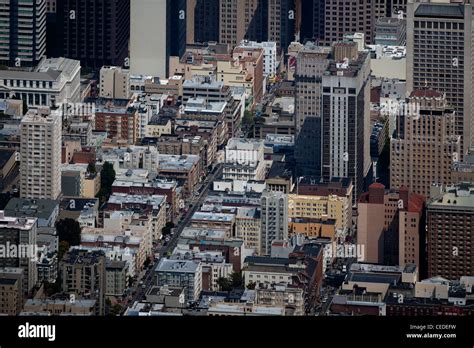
(140, 289)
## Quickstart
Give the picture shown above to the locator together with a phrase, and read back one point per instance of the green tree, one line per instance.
(63, 248)
(116, 310)
(236, 280)
(107, 178)
(224, 284)
(251, 286)
(91, 168)
(69, 230)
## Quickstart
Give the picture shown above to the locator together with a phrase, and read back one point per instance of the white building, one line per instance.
(187, 274)
(274, 219)
(269, 54)
(244, 160)
(40, 151)
(54, 80)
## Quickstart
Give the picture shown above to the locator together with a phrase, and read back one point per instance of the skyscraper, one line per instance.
(439, 45)
(450, 226)
(206, 21)
(311, 63)
(312, 20)
(40, 149)
(274, 219)
(346, 117)
(96, 32)
(23, 32)
(350, 16)
(257, 20)
(157, 32)
(425, 145)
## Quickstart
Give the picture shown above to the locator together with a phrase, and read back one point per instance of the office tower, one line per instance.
(450, 226)
(439, 46)
(40, 150)
(18, 241)
(311, 63)
(114, 83)
(11, 301)
(391, 225)
(83, 274)
(274, 219)
(312, 20)
(96, 32)
(241, 19)
(257, 20)
(157, 32)
(390, 31)
(281, 22)
(397, 6)
(51, 6)
(206, 21)
(23, 32)
(346, 117)
(352, 16)
(424, 146)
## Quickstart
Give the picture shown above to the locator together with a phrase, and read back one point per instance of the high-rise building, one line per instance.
(439, 45)
(424, 145)
(96, 32)
(40, 150)
(241, 19)
(257, 20)
(397, 6)
(391, 226)
(23, 32)
(281, 22)
(312, 20)
(311, 63)
(18, 241)
(450, 226)
(343, 17)
(157, 32)
(274, 219)
(346, 118)
(83, 274)
(206, 21)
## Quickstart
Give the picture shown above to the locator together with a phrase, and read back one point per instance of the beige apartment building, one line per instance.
(114, 83)
(321, 207)
(248, 227)
(425, 146)
(40, 149)
(245, 69)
